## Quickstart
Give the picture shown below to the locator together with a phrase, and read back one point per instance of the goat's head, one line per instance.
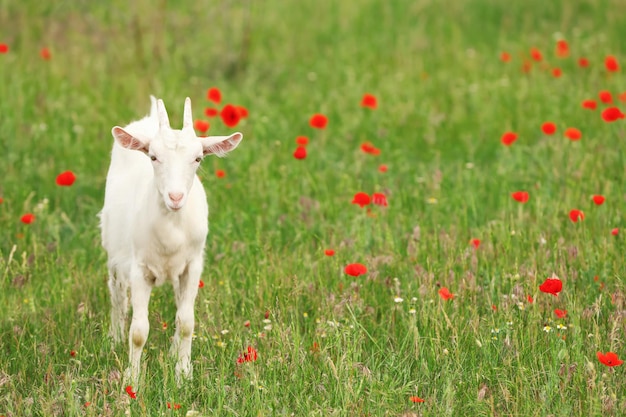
(175, 154)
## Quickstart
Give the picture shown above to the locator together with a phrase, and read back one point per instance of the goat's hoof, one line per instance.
(184, 372)
(131, 378)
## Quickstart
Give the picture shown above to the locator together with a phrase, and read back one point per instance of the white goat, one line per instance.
(154, 225)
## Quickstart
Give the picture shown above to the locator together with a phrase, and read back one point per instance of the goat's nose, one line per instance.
(175, 197)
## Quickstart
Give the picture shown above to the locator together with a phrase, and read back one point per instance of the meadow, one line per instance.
(393, 263)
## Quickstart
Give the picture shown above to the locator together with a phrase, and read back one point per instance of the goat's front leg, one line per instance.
(185, 292)
(140, 290)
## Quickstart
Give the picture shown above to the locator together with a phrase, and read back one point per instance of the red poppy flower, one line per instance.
(548, 128)
(560, 313)
(243, 111)
(27, 218)
(445, 294)
(520, 196)
(415, 399)
(508, 138)
(379, 199)
(556, 72)
(66, 179)
(572, 133)
(610, 62)
(529, 298)
(318, 121)
(72, 353)
(382, 168)
(615, 231)
(605, 96)
(130, 392)
(230, 115)
(583, 62)
(220, 173)
(45, 54)
(527, 66)
(300, 152)
(355, 269)
(250, 355)
(361, 198)
(302, 140)
(367, 147)
(200, 284)
(494, 307)
(176, 406)
(369, 100)
(214, 94)
(1, 200)
(211, 112)
(4, 48)
(505, 56)
(329, 252)
(611, 114)
(535, 54)
(551, 286)
(598, 199)
(589, 104)
(609, 359)
(201, 125)
(622, 96)
(575, 215)
(562, 49)
(475, 243)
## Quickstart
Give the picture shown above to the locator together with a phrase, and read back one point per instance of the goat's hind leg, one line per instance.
(118, 289)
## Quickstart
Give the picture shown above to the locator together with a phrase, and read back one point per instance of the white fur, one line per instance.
(154, 225)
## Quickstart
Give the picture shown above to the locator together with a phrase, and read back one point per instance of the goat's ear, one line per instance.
(220, 145)
(128, 141)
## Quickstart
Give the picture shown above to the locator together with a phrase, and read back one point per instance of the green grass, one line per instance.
(332, 345)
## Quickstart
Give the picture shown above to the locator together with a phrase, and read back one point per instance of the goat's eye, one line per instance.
(153, 158)
(199, 159)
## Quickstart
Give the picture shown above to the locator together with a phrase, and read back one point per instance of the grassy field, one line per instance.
(328, 344)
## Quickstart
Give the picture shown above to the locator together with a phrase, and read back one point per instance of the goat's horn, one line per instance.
(187, 117)
(164, 121)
